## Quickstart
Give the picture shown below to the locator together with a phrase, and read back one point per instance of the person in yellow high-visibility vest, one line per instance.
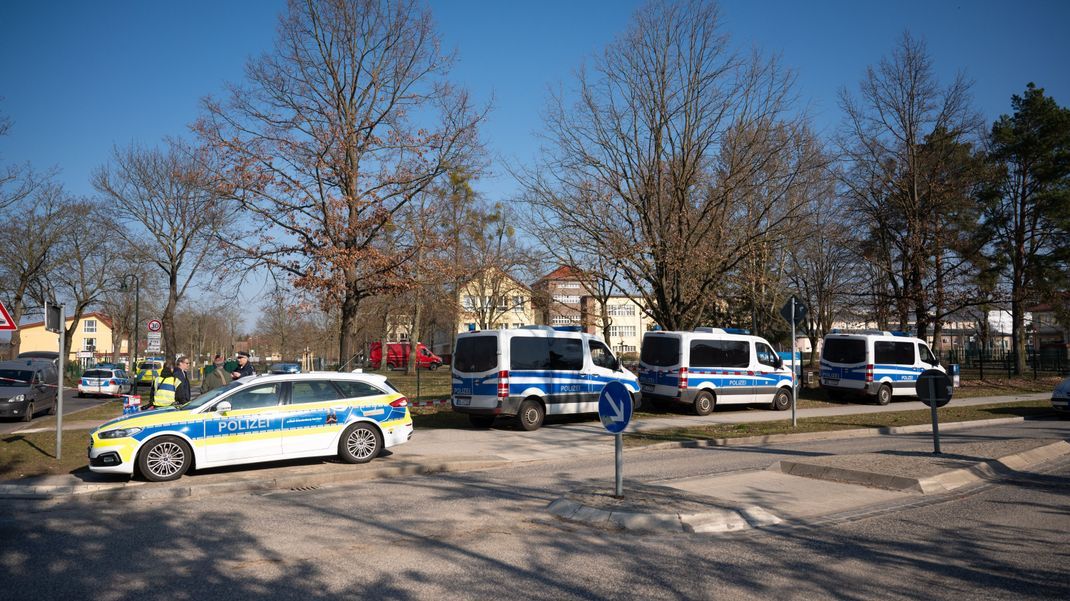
(164, 388)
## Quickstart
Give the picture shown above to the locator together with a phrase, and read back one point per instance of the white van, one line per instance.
(873, 363)
(712, 366)
(532, 372)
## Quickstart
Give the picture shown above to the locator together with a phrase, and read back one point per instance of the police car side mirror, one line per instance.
(222, 407)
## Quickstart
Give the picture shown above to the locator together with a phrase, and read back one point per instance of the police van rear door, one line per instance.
(659, 364)
(475, 371)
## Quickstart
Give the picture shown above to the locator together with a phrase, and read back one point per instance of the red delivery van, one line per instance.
(397, 356)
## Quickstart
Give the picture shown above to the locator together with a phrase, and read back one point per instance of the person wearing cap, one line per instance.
(215, 375)
(244, 367)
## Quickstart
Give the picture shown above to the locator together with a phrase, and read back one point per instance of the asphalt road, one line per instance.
(486, 535)
(70, 405)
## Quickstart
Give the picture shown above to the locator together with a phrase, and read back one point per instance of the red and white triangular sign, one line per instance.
(6, 323)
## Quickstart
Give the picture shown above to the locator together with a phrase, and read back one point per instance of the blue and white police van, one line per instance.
(712, 366)
(873, 363)
(532, 372)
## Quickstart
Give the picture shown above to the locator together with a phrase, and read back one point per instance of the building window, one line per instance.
(565, 320)
(626, 310)
(89, 344)
(469, 303)
(622, 331)
(568, 285)
(567, 300)
(90, 326)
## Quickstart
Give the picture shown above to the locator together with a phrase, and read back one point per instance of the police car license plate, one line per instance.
(462, 401)
(648, 388)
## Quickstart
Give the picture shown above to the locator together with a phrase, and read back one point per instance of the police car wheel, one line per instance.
(637, 401)
(704, 403)
(481, 421)
(884, 395)
(781, 400)
(360, 443)
(531, 415)
(164, 459)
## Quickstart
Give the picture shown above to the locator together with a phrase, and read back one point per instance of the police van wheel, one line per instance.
(164, 459)
(481, 421)
(360, 443)
(781, 400)
(531, 415)
(704, 403)
(884, 394)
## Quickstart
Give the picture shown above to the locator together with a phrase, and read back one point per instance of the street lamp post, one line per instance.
(137, 317)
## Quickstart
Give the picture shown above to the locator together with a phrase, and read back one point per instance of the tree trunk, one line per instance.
(414, 338)
(350, 304)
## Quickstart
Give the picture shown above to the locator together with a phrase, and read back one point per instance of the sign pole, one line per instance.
(59, 387)
(620, 464)
(794, 384)
(936, 422)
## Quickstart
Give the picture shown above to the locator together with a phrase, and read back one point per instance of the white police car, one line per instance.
(254, 419)
(105, 381)
(531, 372)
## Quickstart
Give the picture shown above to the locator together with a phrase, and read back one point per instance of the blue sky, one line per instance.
(77, 77)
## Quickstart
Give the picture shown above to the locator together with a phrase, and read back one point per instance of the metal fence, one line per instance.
(980, 364)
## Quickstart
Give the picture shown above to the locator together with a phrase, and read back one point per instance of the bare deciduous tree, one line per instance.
(28, 246)
(335, 132)
(173, 221)
(677, 160)
(897, 141)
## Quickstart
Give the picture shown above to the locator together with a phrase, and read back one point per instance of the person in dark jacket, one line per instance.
(244, 367)
(182, 390)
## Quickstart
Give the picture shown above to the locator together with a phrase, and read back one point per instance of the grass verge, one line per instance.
(840, 422)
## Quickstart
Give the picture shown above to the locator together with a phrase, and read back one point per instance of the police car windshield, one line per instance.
(209, 396)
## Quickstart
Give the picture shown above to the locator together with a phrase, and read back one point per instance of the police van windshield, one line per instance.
(476, 354)
(660, 351)
(844, 350)
(148, 366)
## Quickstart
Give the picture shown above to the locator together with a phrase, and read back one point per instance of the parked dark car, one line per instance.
(51, 355)
(27, 387)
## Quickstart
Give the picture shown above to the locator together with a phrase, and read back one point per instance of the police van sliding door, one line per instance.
(252, 429)
(724, 364)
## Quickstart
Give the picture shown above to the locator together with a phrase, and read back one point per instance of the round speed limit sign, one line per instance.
(155, 325)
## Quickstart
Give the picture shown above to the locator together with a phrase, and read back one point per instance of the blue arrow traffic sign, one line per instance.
(615, 407)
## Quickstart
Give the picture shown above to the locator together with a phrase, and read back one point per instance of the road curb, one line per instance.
(138, 491)
(705, 522)
(827, 435)
(940, 483)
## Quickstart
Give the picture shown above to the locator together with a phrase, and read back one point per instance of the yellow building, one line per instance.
(91, 343)
(492, 300)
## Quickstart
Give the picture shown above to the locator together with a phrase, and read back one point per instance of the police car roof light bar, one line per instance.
(536, 327)
(743, 331)
(568, 328)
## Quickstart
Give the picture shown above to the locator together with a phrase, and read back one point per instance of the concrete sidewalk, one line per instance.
(799, 491)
